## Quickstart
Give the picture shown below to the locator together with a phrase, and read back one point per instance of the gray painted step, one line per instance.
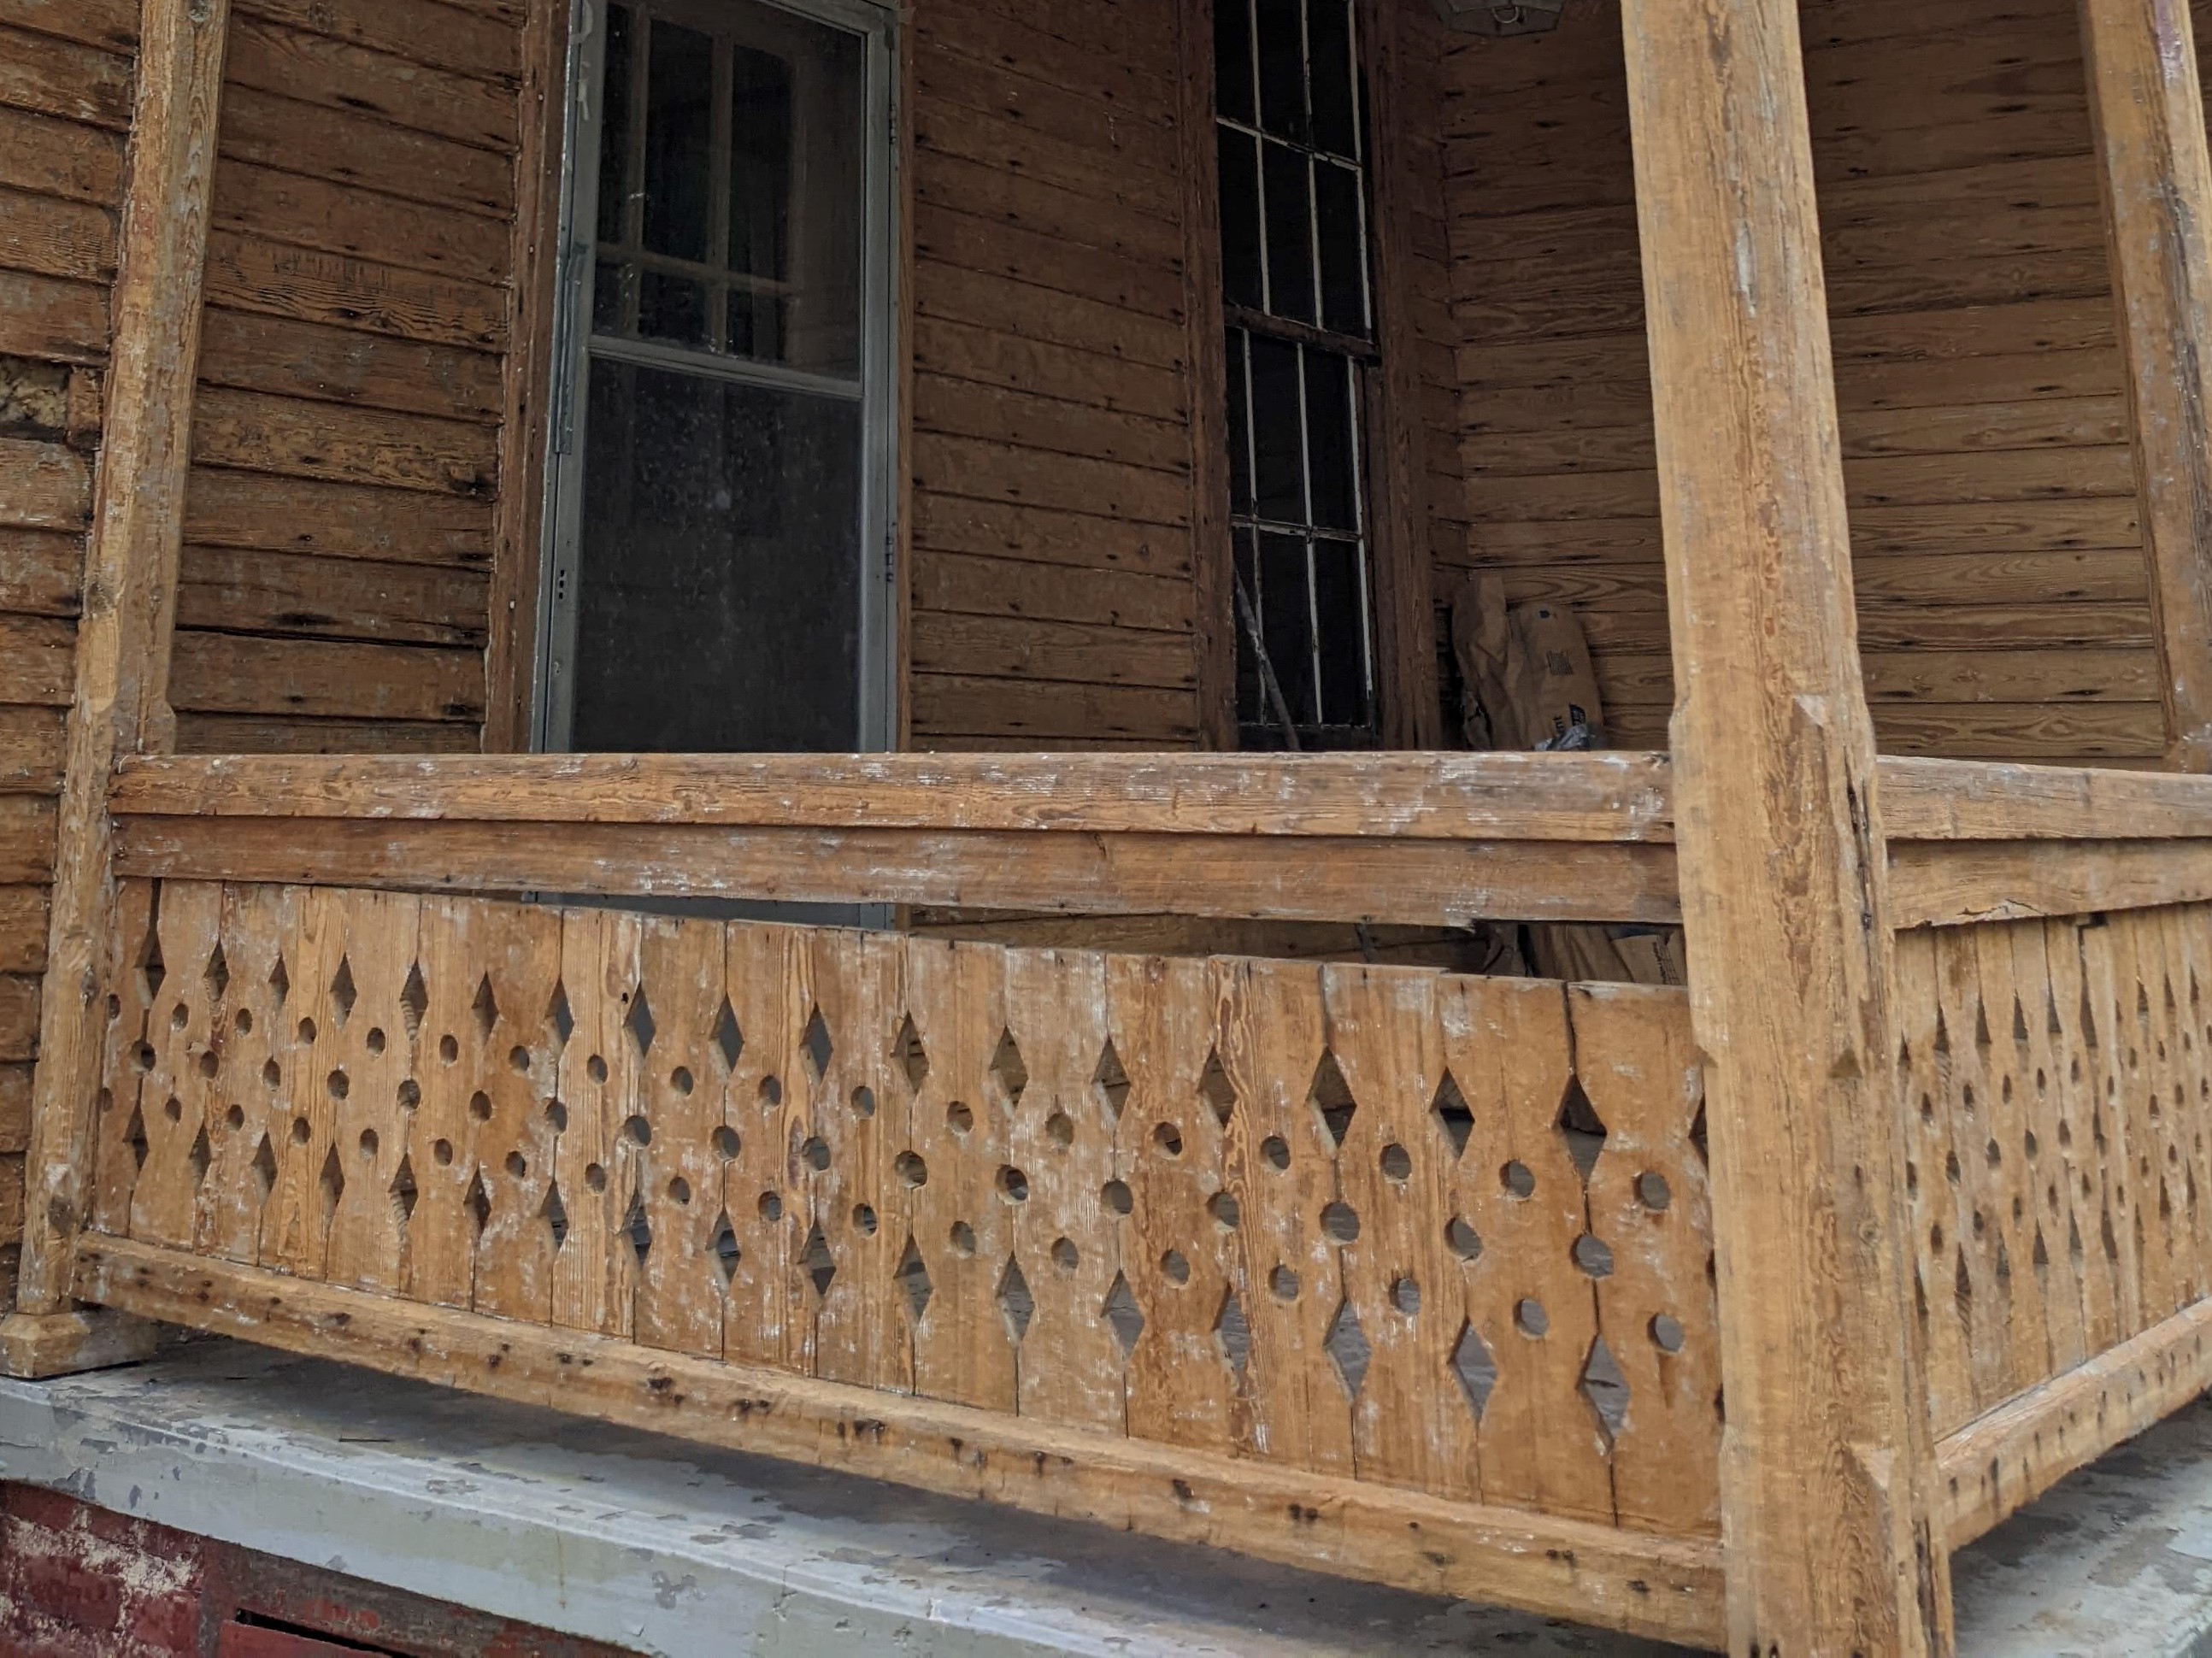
(649, 1544)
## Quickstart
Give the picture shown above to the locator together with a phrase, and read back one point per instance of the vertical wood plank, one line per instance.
(1828, 1465)
(1211, 569)
(123, 635)
(2148, 110)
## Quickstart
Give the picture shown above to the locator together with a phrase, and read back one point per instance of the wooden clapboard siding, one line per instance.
(2001, 586)
(65, 77)
(1052, 584)
(345, 442)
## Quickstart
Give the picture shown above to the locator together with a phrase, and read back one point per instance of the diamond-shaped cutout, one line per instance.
(151, 968)
(1123, 1312)
(263, 1168)
(199, 1157)
(1015, 1302)
(1008, 1069)
(485, 1007)
(1580, 1127)
(722, 1248)
(414, 1000)
(1215, 1088)
(1110, 1081)
(913, 1058)
(1233, 1335)
(331, 1183)
(1474, 1370)
(403, 1190)
(815, 1046)
(1332, 1097)
(553, 1212)
(1450, 1109)
(1348, 1350)
(639, 1021)
(729, 1041)
(134, 1136)
(217, 974)
(280, 981)
(559, 1016)
(821, 1267)
(1605, 1388)
(914, 1279)
(637, 1228)
(342, 994)
(1698, 1136)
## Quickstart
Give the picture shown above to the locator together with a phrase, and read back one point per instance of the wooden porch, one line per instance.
(1719, 1314)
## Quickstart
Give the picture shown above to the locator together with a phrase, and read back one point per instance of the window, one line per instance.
(1290, 124)
(717, 580)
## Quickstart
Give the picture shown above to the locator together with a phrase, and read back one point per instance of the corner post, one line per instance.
(121, 704)
(1826, 1471)
(2147, 108)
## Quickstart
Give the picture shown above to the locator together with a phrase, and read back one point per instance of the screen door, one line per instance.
(717, 562)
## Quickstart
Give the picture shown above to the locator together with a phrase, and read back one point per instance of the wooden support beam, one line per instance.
(130, 591)
(34, 1346)
(1661, 1587)
(2148, 113)
(1958, 884)
(1826, 1470)
(1212, 573)
(1986, 800)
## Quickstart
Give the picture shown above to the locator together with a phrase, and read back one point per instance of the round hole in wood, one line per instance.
(1341, 1222)
(300, 1131)
(409, 1094)
(114, 1008)
(177, 1016)
(911, 1170)
(272, 1073)
(1116, 1196)
(1593, 1256)
(307, 1031)
(1666, 1334)
(1284, 1283)
(1530, 1318)
(1405, 1297)
(368, 1142)
(142, 1057)
(725, 1143)
(1064, 1254)
(963, 1238)
(1169, 1139)
(173, 1108)
(1061, 1127)
(864, 1220)
(1174, 1267)
(1223, 1206)
(680, 1080)
(1276, 1151)
(518, 1058)
(1397, 1162)
(210, 1064)
(958, 1118)
(1653, 1191)
(595, 1178)
(517, 1165)
(244, 1021)
(771, 1092)
(448, 1049)
(338, 1084)
(637, 1131)
(864, 1101)
(235, 1117)
(556, 1116)
(771, 1206)
(480, 1105)
(441, 1153)
(595, 1067)
(1013, 1184)
(375, 1039)
(816, 1152)
(1518, 1179)
(679, 1189)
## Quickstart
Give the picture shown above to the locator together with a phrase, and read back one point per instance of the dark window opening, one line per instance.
(1297, 296)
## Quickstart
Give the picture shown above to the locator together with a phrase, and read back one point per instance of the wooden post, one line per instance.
(122, 639)
(1827, 1468)
(2148, 112)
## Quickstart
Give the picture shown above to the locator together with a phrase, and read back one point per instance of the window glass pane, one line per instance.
(1278, 483)
(1240, 428)
(1333, 461)
(614, 125)
(719, 579)
(672, 308)
(1252, 705)
(1343, 249)
(1342, 632)
(678, 135)
(755, 326)
(1289, 235)
(760, 162)
(607, 296)
(799, 179)
(1282, 68)
(1232, 61)
(1329, 38)
(1286, 622)
(1240, 220)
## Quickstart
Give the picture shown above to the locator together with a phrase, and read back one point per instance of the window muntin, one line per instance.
(1297, 298)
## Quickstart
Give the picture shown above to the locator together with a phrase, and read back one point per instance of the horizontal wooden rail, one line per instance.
(1981, 800)
(1957, 884)
(1668, 1588)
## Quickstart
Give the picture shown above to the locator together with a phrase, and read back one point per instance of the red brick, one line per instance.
(67, 1591)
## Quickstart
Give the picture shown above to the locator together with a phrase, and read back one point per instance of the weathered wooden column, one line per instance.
(2148, 111)
(122, 644)
(1826, 1472)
